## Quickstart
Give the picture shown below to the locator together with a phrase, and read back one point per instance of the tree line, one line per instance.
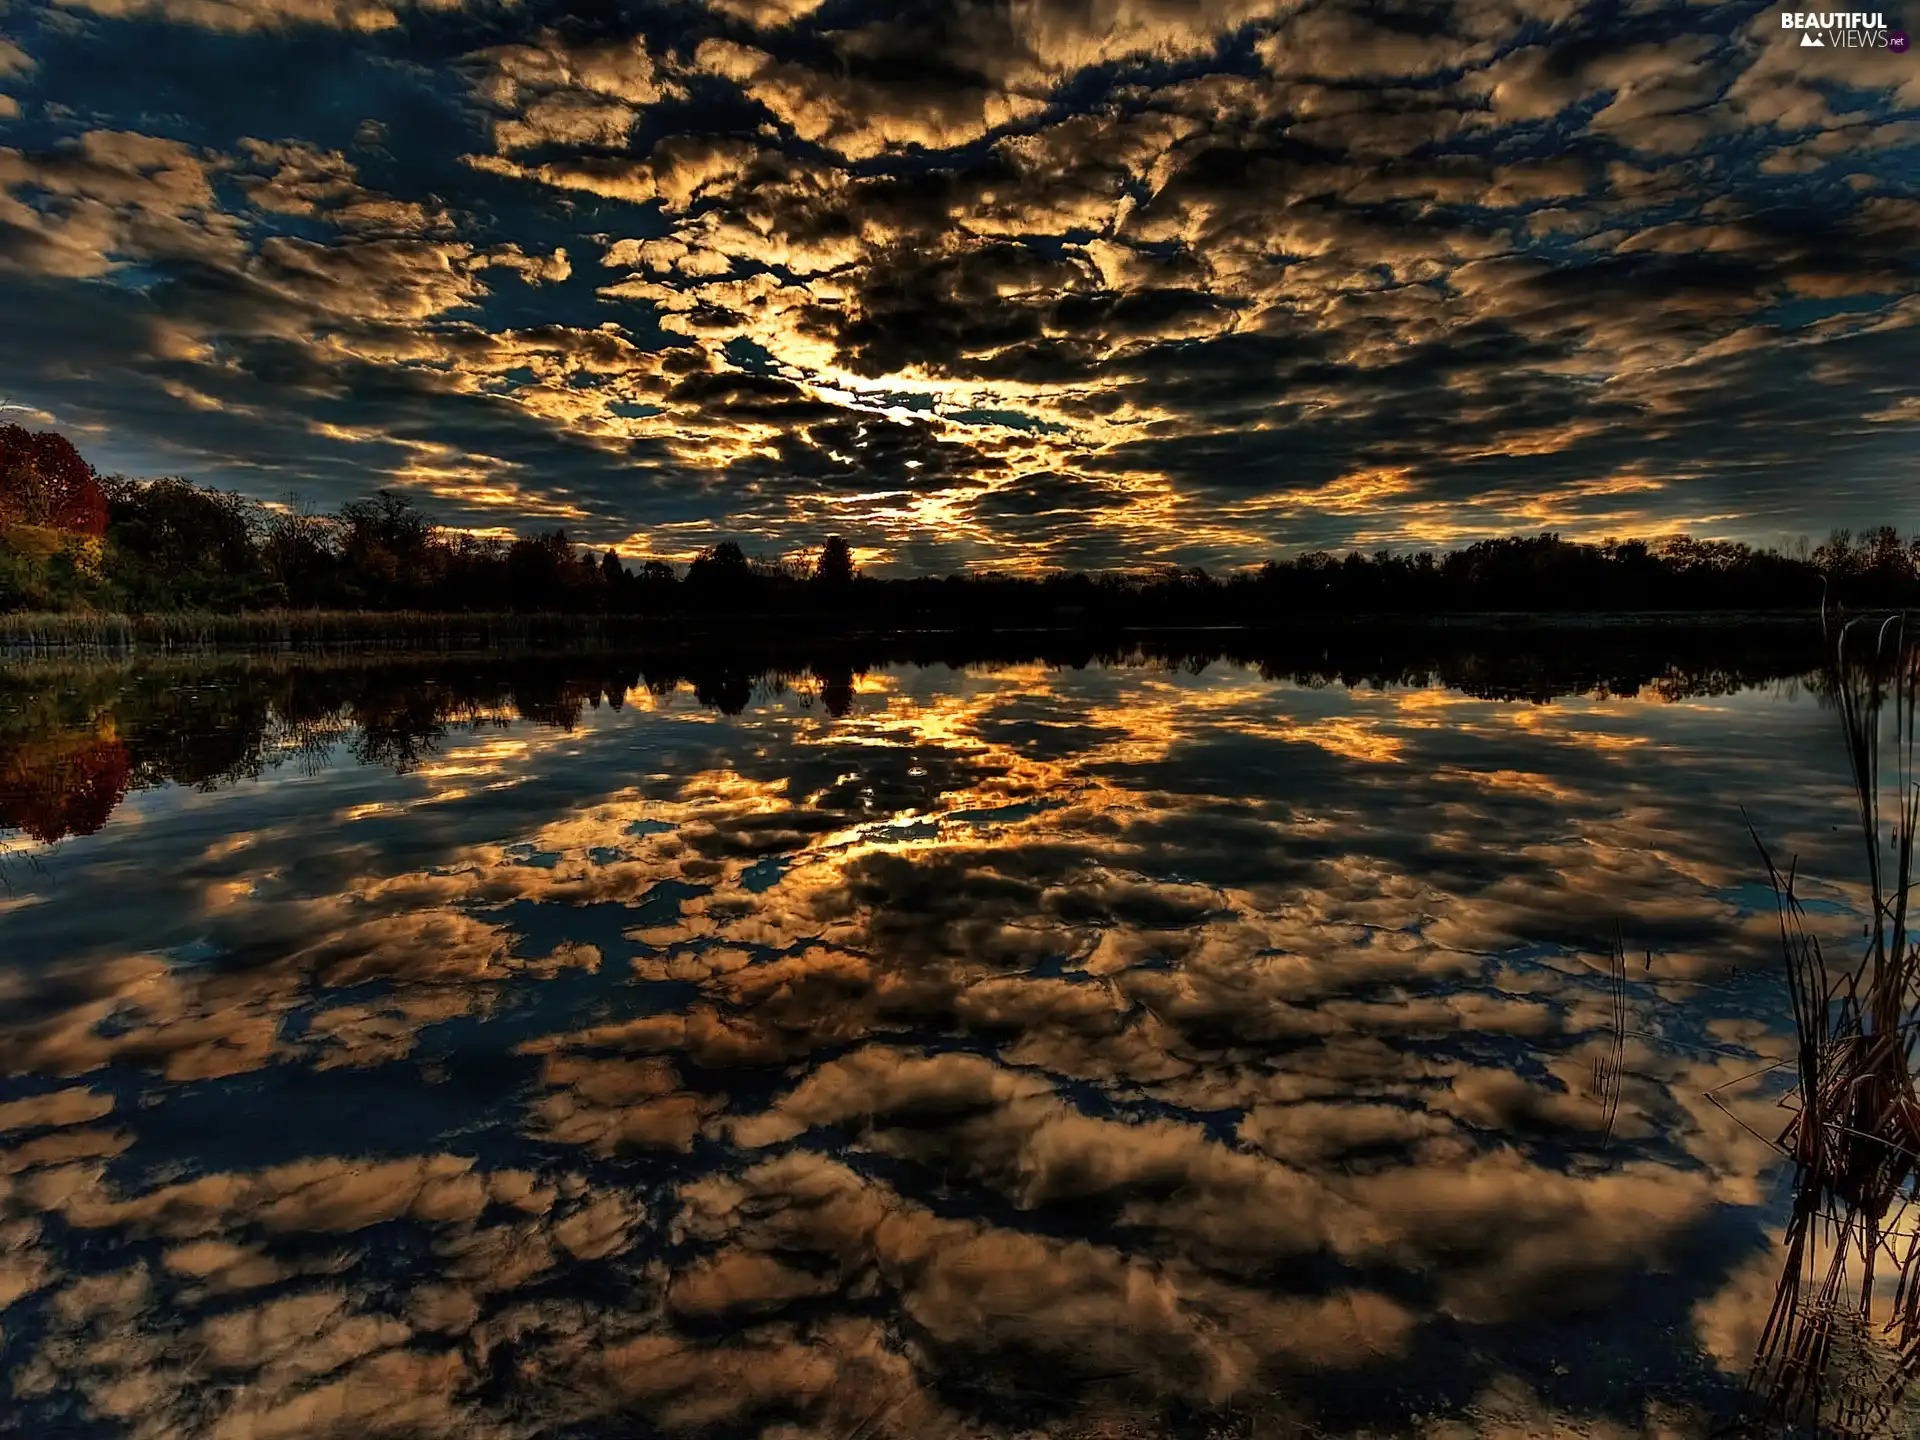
(70, 540)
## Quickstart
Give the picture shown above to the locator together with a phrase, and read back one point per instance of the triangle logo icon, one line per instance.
(1811, 41)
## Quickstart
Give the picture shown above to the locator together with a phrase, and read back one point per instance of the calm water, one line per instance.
(584, 1048)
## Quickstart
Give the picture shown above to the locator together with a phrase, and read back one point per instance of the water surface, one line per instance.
(596, 1047)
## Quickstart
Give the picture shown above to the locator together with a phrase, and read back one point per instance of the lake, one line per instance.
(1066, 1042)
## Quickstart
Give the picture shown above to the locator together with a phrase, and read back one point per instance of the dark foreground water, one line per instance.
(606, 1047)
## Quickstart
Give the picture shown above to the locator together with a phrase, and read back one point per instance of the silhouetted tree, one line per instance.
(834, 570)
(387, 548)
(297, 552)
(171, 541)
(541, 570)
(720, 576)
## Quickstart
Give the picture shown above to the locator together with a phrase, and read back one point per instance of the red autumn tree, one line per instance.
(44, 481)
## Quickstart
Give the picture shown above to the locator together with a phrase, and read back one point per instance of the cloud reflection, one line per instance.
(1023, 1048)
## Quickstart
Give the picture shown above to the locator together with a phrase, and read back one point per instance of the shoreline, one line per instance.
(28, 636)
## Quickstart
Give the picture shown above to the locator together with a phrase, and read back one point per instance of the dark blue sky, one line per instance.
(975, 281)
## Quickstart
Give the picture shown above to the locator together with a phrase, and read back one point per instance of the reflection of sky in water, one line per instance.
(1025, 1048)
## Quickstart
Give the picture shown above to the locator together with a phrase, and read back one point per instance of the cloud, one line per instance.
(74, 1106)
(552, 93)
(246, 15)
(861, 117)
(292, 177)
(1186, 283)
(767, 14)
(111, 194)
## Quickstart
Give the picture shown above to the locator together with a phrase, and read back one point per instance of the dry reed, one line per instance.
(1840, 1348)
(1609, 1067)
(24, 633)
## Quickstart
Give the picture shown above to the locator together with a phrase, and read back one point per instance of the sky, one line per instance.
(1012, 283)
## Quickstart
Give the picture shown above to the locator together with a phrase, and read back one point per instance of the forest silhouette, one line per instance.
(70, 541)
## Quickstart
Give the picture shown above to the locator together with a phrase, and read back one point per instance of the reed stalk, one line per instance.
(1839, 1349)
(28, 634)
